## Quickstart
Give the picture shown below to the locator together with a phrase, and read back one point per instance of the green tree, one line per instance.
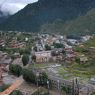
(53, 53)
(34, 58)
(77, 60)
(43, 79)
(27, 51)
(66, 89)
(47, 47)
(16, 92)
(24, 51)
(21, 51)
(12, 57)
(63, 52)
(25, 60)
(4, 87)
(15, 69)
(35, 48)
(58, 45)
(29, 76)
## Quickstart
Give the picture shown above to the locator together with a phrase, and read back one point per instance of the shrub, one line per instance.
(15, 69)
(25, 60)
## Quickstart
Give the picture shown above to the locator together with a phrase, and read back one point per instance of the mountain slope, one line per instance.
(34, 16)
(3, 16)
(81, 25)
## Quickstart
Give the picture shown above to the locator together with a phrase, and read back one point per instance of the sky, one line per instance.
(13, 6)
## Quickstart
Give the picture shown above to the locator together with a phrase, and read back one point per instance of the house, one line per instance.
(70, 54)
(5, 59)
(50, 40)
(83, 59)
(16, 44)
(17, 55)
(17, 61)
(73, 41)
(39, 47)
(85, 38)
(69, 50)
(43, 56)
(92, 49)
(2, 42)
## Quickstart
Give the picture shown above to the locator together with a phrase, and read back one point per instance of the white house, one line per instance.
(43, 56)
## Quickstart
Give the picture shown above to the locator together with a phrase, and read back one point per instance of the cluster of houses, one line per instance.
(66, 54)
(64, 50)
(13, 43)
(5, 59)
(50, 48)
(2, 42)
(16, 44)
(47, 48)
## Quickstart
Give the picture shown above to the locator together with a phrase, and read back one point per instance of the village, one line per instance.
(58, 56)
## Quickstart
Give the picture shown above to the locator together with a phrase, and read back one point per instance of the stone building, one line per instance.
(43, 56)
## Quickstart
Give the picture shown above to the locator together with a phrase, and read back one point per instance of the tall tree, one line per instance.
(16, 92)
(25, 60)
(29, 76)
(43, 78)
(15, 69)
(34, 58)
(47, 47)
(58, 45)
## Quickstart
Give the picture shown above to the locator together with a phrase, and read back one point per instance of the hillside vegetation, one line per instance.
(81, 25)
(63, 16)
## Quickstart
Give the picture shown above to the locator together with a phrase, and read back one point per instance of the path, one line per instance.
(53, 92)
(16, 84)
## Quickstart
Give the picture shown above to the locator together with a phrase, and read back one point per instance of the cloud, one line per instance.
(21, 1)
(13, 6)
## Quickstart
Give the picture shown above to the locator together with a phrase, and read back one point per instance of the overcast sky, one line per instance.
(12, 6)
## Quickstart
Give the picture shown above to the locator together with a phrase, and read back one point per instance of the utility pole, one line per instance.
(37, 78)
(88, 90)
(59, 87)
(48, 86)
(75, 87)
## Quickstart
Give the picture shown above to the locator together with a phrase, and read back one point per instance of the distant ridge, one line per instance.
(35, 16)
(3, 16)
(82, 25)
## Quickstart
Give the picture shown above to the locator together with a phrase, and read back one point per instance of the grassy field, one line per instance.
(86, 46)
(90, 43)
(83, 72)
(87, 69)
(39, 65)
(76, 70)
(65, 73)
